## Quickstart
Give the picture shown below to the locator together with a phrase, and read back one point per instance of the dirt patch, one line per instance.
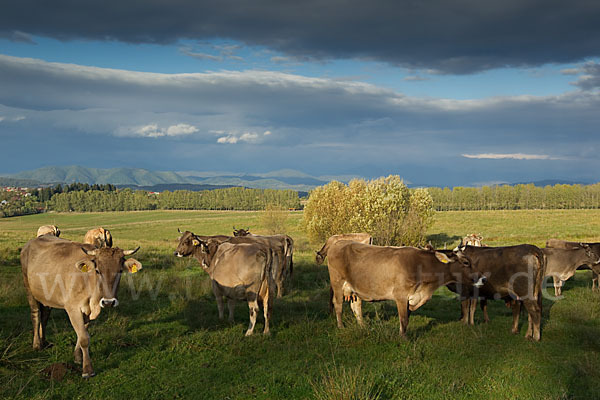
(57, 371)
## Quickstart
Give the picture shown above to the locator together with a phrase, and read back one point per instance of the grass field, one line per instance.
(166, 341)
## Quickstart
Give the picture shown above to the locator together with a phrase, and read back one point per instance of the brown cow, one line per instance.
(407, 275)
(284, 270)
(76, 277)
(563, 244)
(237, 271)
(514, 274)
(48, 230)
(562, 263)
(320, 255)
(357, 237)
(98, 237)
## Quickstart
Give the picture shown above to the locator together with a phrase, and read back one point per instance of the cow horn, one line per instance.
(90, 252)
(130, 252)
(179, 230)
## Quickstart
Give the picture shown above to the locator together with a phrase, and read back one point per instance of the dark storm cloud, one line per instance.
(448, 36)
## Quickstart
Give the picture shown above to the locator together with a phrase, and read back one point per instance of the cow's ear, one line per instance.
(442, 257)
(133, 265)
(195, 242)
(85, 265)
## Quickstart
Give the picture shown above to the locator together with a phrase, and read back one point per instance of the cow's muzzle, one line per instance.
(480, 282)
(177, 254)
(108, 302)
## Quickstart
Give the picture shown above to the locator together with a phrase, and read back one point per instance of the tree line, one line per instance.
(236, 198)
(517, 197)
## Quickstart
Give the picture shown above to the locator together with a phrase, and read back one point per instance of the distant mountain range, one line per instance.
(189, 180)
(167, 180)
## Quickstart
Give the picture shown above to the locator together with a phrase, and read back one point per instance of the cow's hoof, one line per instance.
(88, 375)
(248, 333)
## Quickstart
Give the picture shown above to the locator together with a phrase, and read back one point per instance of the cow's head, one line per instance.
(592, 257)
(319, 258)
(241, 232)
(461, 267)
(104, 266)
(108, 242)
(188, 244)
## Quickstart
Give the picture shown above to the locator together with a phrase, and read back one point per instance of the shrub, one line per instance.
(384, 207)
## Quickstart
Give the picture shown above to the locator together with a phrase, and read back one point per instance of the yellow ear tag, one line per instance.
(134, 268)
(445, 260)
(85, 268)
(195, 242)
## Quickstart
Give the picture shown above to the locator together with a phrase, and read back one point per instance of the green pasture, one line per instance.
(166, 341)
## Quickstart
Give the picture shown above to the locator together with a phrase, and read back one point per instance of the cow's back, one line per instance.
(49, 269)
(240, 265)
(509, 269)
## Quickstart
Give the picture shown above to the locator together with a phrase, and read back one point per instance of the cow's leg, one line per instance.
(403, 314)
(534, 310)
(279, 288)
(465, 306)
(253, 306)
(595, 281)
(484, 307)
(472, 307)
(516, 311)
(78, 320)
(557, 285)
(219, 298)
(267, 302)
(45, 314)
(231, 308)
(338, 301)
(35, 312)
(356, 306)
(330, 300)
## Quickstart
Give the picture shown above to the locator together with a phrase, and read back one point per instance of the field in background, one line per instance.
(165, 340)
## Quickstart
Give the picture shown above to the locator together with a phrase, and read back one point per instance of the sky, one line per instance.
(440, 92)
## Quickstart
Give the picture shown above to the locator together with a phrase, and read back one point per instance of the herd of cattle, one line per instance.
(255, 269)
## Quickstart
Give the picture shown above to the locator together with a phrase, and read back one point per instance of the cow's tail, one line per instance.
(542, 261)
(266, 277)
(290, 250)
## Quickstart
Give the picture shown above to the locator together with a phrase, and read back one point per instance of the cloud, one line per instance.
(154, 131)
(319, 125)
(589, 75)
(225, 52)
(17, 37)
(248, 137)
(513, 156)
(201, 56)
(15, 118)
(448, 36)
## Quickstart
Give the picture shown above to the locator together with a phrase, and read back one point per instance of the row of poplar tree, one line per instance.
(517, 197)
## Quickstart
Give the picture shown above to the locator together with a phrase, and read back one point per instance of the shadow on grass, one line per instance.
(442, 240)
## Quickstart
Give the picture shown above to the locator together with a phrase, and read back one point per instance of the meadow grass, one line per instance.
(165, 339)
